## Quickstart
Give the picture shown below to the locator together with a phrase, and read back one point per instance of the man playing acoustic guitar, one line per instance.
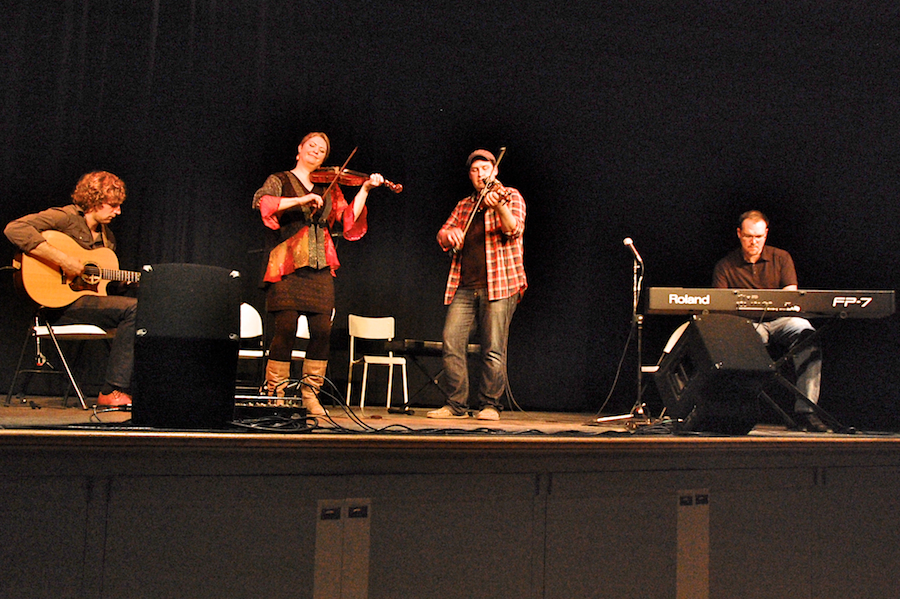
(96, 201)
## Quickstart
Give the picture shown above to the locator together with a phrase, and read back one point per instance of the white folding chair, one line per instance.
(40, 330)
(252, 345)
(252, 332)
(670, 344)
(302, 333)
(252, 338)
(374, 329)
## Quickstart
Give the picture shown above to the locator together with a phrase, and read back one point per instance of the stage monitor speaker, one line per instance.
(711, 379)
(185, 354)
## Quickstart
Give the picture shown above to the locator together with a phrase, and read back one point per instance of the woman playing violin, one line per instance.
(299, 216)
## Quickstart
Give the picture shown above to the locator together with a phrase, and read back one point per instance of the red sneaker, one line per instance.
(116, 399)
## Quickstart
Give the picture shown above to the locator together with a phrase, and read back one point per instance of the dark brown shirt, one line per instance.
(773, 270)
(473, 261)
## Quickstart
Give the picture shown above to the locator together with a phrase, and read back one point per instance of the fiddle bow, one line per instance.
(337, 173)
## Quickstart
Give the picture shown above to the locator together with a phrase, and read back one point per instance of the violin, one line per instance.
(329, 174)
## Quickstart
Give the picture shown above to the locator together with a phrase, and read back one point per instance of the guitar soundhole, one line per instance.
(91, 274)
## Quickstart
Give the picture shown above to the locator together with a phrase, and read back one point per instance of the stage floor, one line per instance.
(50, 413)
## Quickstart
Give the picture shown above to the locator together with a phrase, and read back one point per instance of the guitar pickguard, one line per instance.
(78, 284)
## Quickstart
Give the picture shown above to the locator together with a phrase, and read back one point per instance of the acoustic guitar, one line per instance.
(48, 285)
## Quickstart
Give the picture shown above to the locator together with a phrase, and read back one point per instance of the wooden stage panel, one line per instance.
(860, 521)
(256, 536)
(44, 535)
(448, 514)
(621, 532)
(204, 536)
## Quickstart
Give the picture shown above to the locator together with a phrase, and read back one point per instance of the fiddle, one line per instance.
(330, 174)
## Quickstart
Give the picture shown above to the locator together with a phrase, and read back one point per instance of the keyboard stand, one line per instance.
(823, 415)
(432, 379)
(415, 349)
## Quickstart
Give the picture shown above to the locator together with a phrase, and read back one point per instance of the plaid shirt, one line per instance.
(504, 253)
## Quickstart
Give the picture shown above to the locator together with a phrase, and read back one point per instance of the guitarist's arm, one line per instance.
(71, 266)
(26, 234)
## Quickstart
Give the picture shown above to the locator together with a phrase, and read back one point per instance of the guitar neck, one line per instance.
(128, 276)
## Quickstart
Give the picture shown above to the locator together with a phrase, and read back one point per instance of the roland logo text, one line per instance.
(688, 300)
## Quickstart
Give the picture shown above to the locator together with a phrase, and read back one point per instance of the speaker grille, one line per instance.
(189, 301)
(711, 379)
(185, 365)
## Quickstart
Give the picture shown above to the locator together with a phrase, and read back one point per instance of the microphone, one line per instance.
(630, 243)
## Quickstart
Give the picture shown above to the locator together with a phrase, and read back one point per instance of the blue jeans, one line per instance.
(471, 311)
(784, 333)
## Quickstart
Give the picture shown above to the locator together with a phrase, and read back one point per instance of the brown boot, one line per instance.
(277, 376)
(312, 379)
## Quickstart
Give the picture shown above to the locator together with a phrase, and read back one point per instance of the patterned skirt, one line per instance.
(304, 290)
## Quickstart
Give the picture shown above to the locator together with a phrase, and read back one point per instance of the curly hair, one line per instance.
(97, 188)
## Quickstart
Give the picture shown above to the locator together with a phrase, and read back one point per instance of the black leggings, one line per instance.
(286, 334)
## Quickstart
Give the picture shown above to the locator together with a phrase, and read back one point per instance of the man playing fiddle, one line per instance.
(486, 282)
(299, 216)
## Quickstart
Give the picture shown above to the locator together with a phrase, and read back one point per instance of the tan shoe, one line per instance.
(446, 412)
(116, 399)
(489, 413)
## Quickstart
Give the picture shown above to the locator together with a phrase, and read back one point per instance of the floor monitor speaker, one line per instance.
(710, 381)
(185, 363)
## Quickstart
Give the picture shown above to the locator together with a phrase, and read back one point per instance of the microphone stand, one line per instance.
(639, 412)
(639, 415)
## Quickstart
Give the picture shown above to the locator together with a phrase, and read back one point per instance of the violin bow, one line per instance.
(340, 172)
(484, 191)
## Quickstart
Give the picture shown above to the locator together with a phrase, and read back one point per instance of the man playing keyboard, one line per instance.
(754, 265)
